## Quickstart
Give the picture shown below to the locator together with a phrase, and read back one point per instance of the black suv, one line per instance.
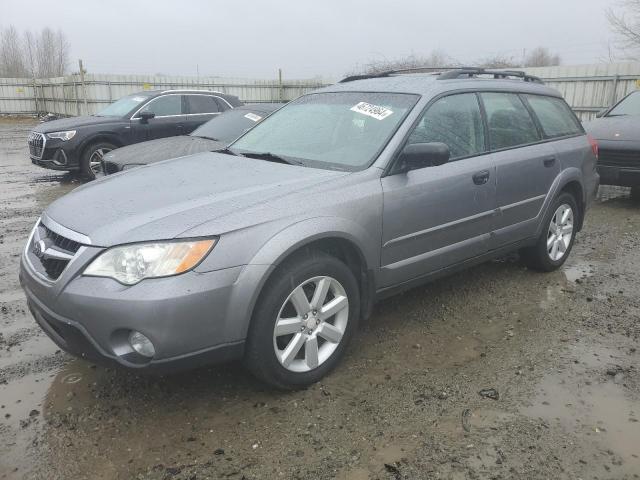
(79, 143)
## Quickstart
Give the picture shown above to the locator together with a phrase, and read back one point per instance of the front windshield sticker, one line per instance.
(375, 111)
(138, 99)
(253, 116)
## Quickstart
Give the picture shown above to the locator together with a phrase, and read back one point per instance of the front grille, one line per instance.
(36, 143)
(51, 252)
(53, 267)
(619, 158)
(61, 242)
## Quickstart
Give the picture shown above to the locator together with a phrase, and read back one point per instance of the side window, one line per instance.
(554, 115)
(201, 104)
(455, 121)
(510, 123)
(166, 105)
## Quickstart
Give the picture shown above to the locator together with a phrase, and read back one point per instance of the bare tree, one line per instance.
(62, 53)
(435, 59)
(498, 61)
(625, 24)
(541, 57)
(12, 62)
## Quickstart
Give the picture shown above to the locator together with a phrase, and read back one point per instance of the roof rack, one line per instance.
(388, 73)
(449, 73)
(472, 72)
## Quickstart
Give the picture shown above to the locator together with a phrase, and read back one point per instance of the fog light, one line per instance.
(141, 344)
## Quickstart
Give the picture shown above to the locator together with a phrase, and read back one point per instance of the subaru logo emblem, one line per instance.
(39, 248)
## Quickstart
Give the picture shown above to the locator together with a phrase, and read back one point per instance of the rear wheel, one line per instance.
(303, 321)
(555, 242)
(91, 161)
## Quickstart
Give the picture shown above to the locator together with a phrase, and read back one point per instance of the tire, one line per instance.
(635, 194)
(268, 353)
(92, 153)
(544, 258)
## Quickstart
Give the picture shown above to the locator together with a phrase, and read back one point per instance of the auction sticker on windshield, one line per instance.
(375, 111)
(253, 116)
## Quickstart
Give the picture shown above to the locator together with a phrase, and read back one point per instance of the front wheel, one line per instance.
(303, 321)
(91, 160)
(558, 234)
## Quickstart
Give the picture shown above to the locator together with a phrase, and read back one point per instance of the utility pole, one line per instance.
(84, 87)
(281, 92)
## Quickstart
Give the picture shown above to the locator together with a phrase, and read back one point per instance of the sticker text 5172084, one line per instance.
(375, 111)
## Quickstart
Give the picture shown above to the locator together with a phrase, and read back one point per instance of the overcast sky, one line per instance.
(307, 38)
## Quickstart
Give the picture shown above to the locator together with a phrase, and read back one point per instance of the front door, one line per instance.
(169, 119)
(438, 216)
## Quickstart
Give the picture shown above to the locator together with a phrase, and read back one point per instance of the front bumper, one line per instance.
(192, 319)
(621, 176)
(56, 155)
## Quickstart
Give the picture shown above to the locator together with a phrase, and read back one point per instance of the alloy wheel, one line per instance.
(95, 161)
(311, 324)
(560, 232)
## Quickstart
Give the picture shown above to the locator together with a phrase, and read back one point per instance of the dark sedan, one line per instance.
(617, 131)
(216, 134)
(79, 143)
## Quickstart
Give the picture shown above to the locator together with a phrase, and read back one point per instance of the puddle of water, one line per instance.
(578, 270)
(599, 412)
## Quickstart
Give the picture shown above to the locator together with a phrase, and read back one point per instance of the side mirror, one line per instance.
(601, 112)
(146, 115)
(420, 155)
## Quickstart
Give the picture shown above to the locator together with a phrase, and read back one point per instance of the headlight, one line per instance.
(130, 264)
(64, 136)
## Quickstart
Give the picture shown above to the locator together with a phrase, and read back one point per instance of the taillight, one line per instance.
(594, 145)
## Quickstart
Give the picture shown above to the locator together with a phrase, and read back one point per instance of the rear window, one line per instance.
(555, 116)
(510, 123)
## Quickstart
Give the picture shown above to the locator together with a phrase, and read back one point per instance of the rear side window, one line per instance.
(222, 105)
(166, 105)
(554, 116)
(455, 121)
(201, 104)
(509, 121)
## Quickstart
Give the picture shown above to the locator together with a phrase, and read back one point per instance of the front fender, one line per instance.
(296, 236)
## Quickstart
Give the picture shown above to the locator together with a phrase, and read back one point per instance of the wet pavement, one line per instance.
(559, 349)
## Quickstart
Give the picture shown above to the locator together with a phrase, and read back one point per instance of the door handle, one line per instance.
(549, 161)
(480, 178)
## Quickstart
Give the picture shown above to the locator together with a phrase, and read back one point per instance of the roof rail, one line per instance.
(448, 73)
(388, 73)
(470, 72)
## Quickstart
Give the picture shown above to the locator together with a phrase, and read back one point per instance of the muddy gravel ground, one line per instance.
(555, 355)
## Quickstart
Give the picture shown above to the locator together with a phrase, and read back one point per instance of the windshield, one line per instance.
(229, 125)
(343, 131)
(123, 106)
(628, 106)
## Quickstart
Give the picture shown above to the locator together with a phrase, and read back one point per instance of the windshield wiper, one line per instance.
(270, 157)
(228, 151)
(208, 138)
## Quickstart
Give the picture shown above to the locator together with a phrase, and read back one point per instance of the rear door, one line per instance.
(438, 216)
(169, 119)
(525, 165)
(199, 109)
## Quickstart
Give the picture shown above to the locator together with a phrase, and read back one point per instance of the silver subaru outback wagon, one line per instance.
(271, 250)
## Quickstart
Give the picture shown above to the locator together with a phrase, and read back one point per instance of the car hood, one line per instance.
(624, 128)
(161, 149)
(73, 123)
(164, 200)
